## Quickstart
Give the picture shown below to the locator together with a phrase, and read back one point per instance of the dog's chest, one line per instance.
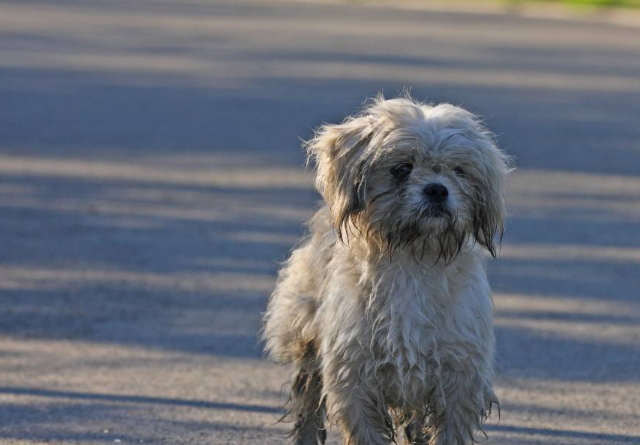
(408, 329)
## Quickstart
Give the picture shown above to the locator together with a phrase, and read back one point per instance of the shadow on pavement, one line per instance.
(173, 242)
(564, 433)
(139, 399)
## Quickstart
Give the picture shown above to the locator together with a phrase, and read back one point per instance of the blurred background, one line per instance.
(151, 179)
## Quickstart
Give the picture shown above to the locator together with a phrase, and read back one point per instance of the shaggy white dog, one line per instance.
(384, 309)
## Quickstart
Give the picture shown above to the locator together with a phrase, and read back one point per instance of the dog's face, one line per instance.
(409, 175)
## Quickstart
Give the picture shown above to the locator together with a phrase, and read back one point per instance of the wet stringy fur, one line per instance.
(402, 235)
(384, 310)
(306, 400)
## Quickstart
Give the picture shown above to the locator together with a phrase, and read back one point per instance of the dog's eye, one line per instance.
(459, 171)
(402, 171)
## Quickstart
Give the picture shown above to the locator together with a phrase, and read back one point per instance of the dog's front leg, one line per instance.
(307, 408)
(463, 404)
(360, 418)
(357, 408)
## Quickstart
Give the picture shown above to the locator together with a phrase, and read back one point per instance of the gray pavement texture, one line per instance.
(151, 179)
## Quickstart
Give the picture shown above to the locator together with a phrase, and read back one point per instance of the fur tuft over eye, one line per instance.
(402, 171)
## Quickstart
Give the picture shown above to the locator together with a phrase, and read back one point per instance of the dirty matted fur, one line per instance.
(384, 309)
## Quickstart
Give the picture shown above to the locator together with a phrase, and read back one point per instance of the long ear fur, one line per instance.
(339, 152)
(489, 206)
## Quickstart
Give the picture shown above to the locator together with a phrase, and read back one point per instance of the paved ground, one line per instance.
(151, 179)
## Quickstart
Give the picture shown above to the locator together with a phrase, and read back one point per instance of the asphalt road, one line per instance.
(151, 179)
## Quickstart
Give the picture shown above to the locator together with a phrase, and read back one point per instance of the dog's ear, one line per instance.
(339, 152)
(489, 200)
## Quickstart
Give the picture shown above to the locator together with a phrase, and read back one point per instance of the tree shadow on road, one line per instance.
(150, 251)
(74, 395)
(554, 434)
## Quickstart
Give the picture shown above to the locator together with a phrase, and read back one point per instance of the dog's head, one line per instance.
(408, 175)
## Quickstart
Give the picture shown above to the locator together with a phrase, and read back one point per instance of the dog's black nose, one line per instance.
(436, 192)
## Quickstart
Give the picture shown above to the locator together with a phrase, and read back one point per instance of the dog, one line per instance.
(384, 308)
